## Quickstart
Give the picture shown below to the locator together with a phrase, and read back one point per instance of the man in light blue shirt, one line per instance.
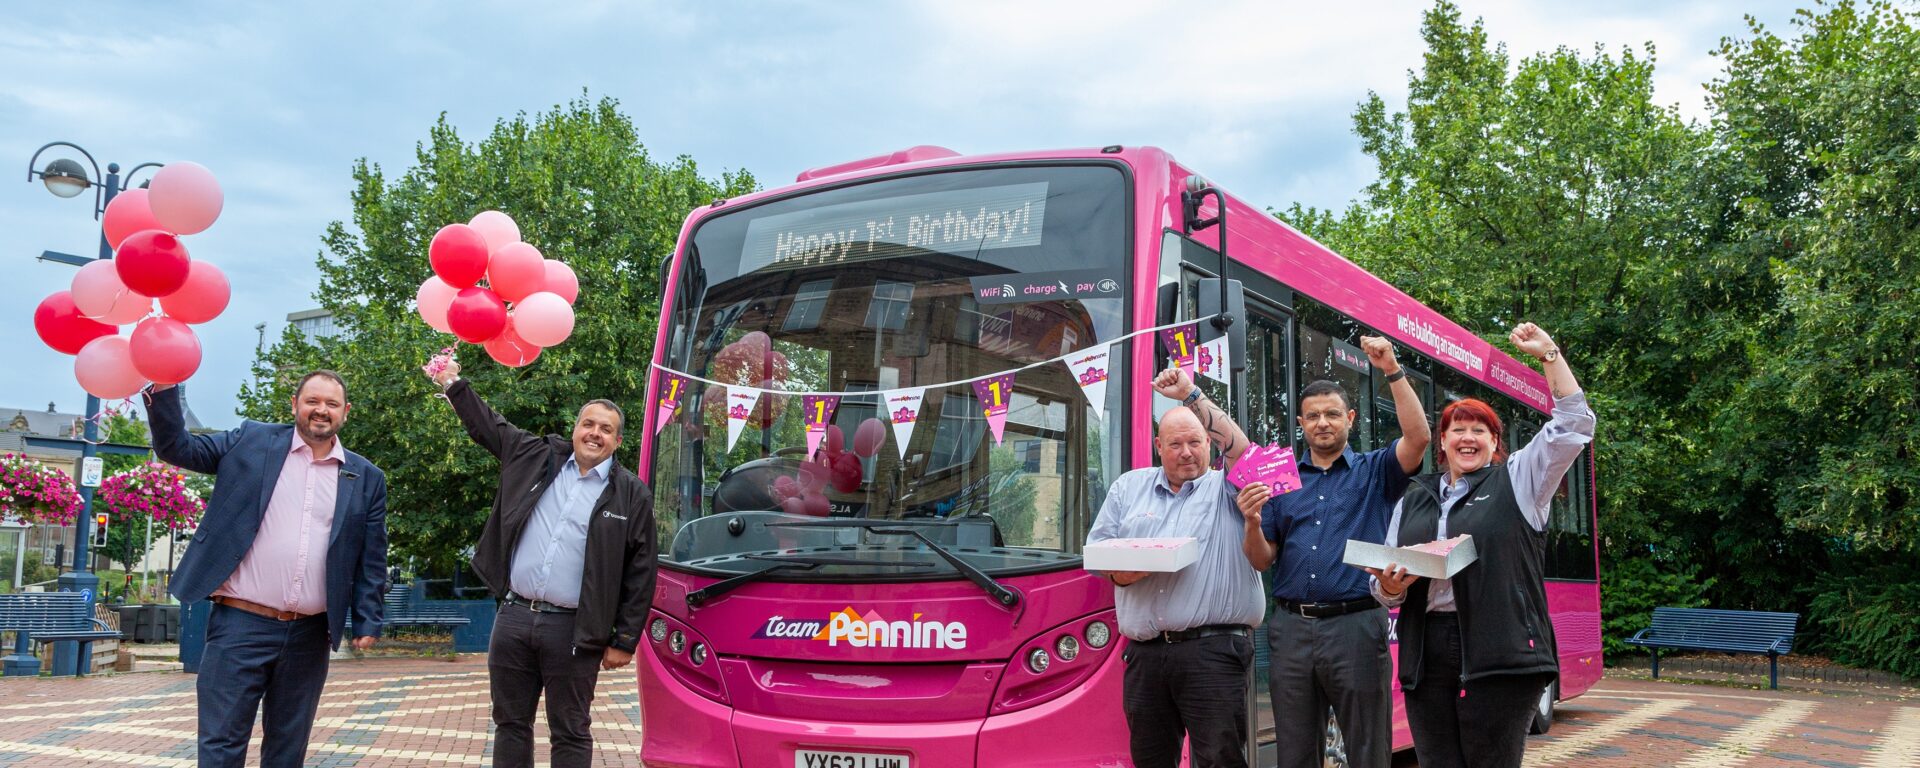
(553, 548)
(1192, 630)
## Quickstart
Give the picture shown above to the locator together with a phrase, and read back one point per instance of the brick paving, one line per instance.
(375, 712)
(393, 712)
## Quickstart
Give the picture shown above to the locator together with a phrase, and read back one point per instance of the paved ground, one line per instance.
(390, 712)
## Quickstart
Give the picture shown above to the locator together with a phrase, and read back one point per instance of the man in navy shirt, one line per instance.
(1328, 634)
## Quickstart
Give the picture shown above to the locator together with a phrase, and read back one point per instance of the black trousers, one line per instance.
(1338, 662)
(1196, 688)
(1482, 726)
(531, 653)
(251, 661)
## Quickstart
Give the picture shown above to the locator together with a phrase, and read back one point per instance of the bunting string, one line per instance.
(869, 393)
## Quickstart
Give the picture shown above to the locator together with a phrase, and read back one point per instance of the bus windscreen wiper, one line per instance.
(1000, 593)
(783, 562)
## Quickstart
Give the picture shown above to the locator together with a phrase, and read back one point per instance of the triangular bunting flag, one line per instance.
(1180, 342)
(903, 410)
(740, 404)
(816, 411)
(1213, 361)
(1090, 369)
(995, 394)
(672, 387)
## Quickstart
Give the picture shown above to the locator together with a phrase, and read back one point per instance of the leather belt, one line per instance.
(258, 609)
(537, 606)
(1327, 610)
(1210, 630)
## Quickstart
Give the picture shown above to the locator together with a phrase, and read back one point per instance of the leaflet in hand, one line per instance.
(1272, 465)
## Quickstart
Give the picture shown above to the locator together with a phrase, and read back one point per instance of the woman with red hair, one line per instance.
(1476, 650)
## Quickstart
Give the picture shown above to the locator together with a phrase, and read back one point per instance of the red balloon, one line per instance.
(517, 271)
(63, 328)
(128, 213)
(509, 349)
(165, 351)
(868, 438)
(477, 315)
(846, 473)
(458, 255)
(202, 298)
(836, 440)
(153, 263)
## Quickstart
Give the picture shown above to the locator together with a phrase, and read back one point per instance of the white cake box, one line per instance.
(1434, 559)
(1156, 555)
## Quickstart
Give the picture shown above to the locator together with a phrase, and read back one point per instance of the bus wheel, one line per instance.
(1335, 754)
(1543, 712)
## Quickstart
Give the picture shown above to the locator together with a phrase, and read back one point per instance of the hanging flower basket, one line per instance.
(35, 492)
(152, 491)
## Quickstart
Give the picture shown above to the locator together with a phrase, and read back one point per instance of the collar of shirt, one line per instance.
(1160, 482)
(602, 469)
(1346, 458)
(336, 454)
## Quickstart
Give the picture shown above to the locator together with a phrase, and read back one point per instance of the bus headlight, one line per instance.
(1067, 648)
(658, 631)
(699, 655)
(1038, 660)
(1098, 634)
(678, 641)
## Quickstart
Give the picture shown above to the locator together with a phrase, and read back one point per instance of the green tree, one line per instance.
(127, 534)
(1821, 133)
(584, 190)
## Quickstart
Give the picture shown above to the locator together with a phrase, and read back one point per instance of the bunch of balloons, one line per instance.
(150, 265)
(804, 493)
(526, 304)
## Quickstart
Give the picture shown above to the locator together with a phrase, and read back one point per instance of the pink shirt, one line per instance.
(286, 568)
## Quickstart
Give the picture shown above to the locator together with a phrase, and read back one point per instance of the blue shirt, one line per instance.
(1221, 588)
(553, 549)
(1351, 499)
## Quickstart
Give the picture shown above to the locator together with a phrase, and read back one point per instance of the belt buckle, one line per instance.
(1169, 636)
(1303, 611)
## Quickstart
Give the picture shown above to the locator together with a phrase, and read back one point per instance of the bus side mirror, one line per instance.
(1208, 303)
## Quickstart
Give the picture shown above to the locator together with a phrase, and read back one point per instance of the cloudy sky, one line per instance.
(279, 100)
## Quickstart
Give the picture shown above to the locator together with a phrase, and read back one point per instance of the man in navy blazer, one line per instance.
(293, 539)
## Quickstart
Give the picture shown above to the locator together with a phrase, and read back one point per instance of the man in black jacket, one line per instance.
(570, 548)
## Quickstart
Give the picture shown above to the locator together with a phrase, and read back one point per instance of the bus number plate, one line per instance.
(815, 758)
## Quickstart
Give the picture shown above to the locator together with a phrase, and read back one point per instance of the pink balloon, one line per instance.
(433, 299)
(97, 287)
(128, 310)
(164, 350)
(561, 280)
(846, 473)
(868, 438)
(476, 315)
(202, 298)
(812, 477)
(509, 349)
(517, 271)
(152, 263)
(544, 319)
(128, 213)
(105, 368)
(63, 328)
(458, 254)
(185, 198)
(816, 504)
(793, 505)
(836, 440)
(498, 229)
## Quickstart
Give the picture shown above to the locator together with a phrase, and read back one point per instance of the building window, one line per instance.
(808, 305)
(888, 309)
(1027, 452)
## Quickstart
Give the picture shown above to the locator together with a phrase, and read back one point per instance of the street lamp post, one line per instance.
(66, 178)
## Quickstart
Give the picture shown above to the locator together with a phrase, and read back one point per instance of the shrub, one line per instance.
(1869, 619)
(1632, 588)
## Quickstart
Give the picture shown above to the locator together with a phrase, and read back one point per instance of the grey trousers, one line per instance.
(532, 653)
(1339, 662)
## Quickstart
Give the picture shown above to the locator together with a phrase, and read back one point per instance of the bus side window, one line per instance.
(1570, 528)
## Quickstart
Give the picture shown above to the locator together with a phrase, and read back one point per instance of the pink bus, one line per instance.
(860, 566)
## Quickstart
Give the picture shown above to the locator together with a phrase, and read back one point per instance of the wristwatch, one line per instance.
(1192, 397)
(1396, 375)
(1552, 355)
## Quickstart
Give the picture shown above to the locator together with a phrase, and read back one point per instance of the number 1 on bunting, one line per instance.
(817, 412)
(994, 392)
(1179, 341)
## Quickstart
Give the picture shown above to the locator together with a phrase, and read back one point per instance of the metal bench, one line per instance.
(1707, 629)
(403, 610)
(52, 617)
